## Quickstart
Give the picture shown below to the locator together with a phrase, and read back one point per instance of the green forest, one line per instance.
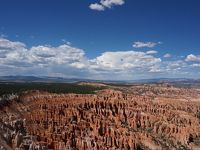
(9, 88)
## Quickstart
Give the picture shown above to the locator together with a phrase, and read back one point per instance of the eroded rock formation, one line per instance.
(107, 120)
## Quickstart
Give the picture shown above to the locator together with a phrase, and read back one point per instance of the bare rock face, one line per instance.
(107, 120)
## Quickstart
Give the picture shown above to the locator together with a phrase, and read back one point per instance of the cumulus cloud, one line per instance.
(65, 59)
(58, 55)
(125, 60)
(8, 45)
(11, 52)
(16, 56)
(103, 4)
(110, 3)
(69, 61)
(97, 7)
(193, 58)
(139, 44)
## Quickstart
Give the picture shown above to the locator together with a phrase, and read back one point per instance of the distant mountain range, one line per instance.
(38, 79)
(73, 80)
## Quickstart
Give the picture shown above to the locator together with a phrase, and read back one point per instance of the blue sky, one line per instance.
(112, 39)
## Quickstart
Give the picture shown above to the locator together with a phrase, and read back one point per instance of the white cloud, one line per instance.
(68, 61)
(176, 64)
(155, 69)
(11, 52)
(195, 65)
(105, 4)
(111, 3)
(16, 58)
(193, 58)
(151, 52)
(97, 7)
(139, 44)
(176, 67)
(8, 45)
(167, 55)
(125, 60)
(63, 54)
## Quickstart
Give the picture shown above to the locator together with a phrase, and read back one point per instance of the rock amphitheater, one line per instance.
(133, 118)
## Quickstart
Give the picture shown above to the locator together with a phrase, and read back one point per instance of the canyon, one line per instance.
(149, 117)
